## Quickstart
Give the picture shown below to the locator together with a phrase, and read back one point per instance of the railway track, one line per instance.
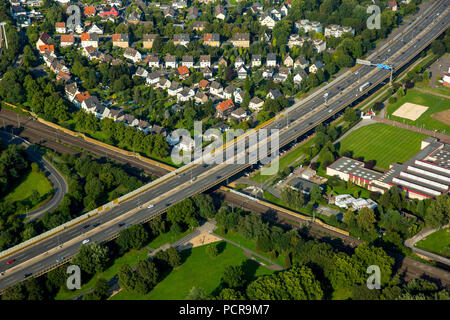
(409, 267)
(37, 132)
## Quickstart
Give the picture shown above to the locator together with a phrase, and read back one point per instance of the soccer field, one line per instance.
(383, 143)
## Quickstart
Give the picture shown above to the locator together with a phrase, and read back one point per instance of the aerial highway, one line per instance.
(294, 122)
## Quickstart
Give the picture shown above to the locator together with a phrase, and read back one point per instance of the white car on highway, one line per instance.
(151, 206)
(85, 241)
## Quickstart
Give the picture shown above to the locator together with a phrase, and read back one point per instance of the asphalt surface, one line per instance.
(60, 186)
(303, 117)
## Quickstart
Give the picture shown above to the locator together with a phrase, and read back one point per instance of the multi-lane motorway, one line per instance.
(298, 120)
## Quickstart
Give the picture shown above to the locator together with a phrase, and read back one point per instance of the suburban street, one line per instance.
(297, 121)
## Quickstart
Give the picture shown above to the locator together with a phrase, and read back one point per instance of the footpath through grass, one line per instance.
(384, 143)
(198, 270)
(437, 242)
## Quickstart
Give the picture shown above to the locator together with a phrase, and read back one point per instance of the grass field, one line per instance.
(197, 270)
(32, 181)
(437, 242)
(132, 258)
(286, 160)
(383, 143)
(434, 103)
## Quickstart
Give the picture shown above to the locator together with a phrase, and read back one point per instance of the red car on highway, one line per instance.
(10, 261)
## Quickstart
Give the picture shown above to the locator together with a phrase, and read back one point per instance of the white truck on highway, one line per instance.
(364, 86)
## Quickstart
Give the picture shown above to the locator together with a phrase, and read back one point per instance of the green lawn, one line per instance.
(32, 181)
(132, 258)
(434, 103)
(168, 237)
(383, 143)
(286, 160)
(197, 270)
(437, 242)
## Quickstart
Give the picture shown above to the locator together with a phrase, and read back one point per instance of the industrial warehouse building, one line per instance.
(425, 175)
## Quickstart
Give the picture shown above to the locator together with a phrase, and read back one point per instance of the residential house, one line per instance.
(90, 104)
(71, 91)
(256, 104)
(219, 12)
(268, 20)
(207, 73)
(183, 72)
(239, 95)
(203, 84)
(228, 92)
(216, 89)
(170, 62)
(242, 73)
(143, 126)
(148, 40)
(174, 88)
(211, 39)
(256, 60)
(153, 78)
(186, 144)
(181, 39)
(336, 31)
(238, 62)
(205, 61)
(109, 12)
(120, 40)
(187, 61)
(153, 61)
(47, 48)
(66, 40)
(201, 97)
(241, 40)
(91, 53)
(271, 60)
(128, 120)
(60, 27)
(199, 26)
(282, 75)
(308, 26)
(239, 114)
(392, 4)
(267, 73)
(141, 72)
(169, 13)
(185, 95)
(222, 62)
(193, 13)
(288, 61)
(115, 114)
(80, 97)
(319, 45)
(158, 130)
(134, 17)
(224, 108)
(179, 4)
(274, 94)
(95, 29)
(300, 75)
(132, 54)
(316, 66)
(89, 11)
(43, 40)
(163, 84)
(301, 62)
(89, 40)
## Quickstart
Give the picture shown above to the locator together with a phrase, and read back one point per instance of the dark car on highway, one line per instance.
(26, 275)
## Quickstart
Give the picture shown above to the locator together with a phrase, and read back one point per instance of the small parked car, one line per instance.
(151, 206)
(85, 241)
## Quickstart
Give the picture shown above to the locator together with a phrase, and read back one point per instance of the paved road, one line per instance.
(60, 186)
(298, 122)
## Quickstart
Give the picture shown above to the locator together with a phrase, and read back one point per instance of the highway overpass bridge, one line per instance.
(40, 256)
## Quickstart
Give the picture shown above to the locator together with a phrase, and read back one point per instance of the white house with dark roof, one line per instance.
(271, 60)
(256, 104)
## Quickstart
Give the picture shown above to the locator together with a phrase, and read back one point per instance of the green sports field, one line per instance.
(383, 143)
(434, 103)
